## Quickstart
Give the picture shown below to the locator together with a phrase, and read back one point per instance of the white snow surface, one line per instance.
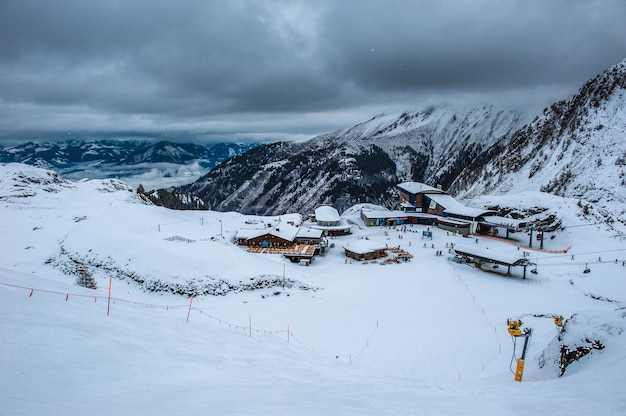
(424, 337)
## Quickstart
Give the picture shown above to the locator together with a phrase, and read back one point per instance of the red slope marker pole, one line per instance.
(189, 311)
(109, 297)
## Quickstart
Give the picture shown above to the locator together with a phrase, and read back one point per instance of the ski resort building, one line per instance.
(327, 216)
(480, 256)
(363, 250)
(298, 244)
(308, 235)
(327, 219)
(383, 217)
(280, 235)
(451, 214)
(424, 204)
(412, 196)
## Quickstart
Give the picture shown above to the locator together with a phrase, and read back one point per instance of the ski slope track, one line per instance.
(339, 337)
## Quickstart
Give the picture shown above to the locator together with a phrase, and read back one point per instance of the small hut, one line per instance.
(362, 250)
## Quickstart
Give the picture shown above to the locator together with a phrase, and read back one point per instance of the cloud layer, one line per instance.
(237, 69)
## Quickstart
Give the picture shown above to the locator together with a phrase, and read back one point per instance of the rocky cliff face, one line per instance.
(576, 149)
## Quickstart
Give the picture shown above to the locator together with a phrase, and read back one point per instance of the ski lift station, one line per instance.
(424, 204)
(483, 255)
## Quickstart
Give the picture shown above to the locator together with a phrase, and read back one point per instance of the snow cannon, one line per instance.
(558, 322)
(515, 329)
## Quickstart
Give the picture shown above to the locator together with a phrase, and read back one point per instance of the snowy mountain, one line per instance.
(121, 152)
(362, 163)
(170, 153)
(262, 335)
(576, 149)
(154, 164)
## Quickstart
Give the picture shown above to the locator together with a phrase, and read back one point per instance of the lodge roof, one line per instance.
(419, 187)
(381, 213)
(326, 213)
(452, 206)
(364, 246)
(505, 258)
(308, 232)
(281, 230)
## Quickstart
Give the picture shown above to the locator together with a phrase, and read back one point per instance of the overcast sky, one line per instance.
(272, 69)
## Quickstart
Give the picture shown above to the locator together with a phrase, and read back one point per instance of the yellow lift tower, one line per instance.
(516, 332)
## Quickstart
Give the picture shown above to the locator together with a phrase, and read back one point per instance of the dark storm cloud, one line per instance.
(281, 68)
(478, 44)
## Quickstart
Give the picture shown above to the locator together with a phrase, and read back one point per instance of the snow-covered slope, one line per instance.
(577, 148)
(445, 139)
(362, 163)
(423, 337)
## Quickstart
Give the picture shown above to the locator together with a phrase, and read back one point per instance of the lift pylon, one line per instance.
(515, 330)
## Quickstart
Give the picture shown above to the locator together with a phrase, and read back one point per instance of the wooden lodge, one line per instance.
(295, 243)
(280, 235)
(362, 250)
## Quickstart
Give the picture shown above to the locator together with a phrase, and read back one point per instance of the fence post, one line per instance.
(109, 296)
(189, 311)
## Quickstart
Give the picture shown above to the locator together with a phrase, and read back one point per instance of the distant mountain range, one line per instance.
(123, 159)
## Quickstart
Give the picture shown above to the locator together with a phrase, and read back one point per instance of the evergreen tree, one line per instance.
(85, 279)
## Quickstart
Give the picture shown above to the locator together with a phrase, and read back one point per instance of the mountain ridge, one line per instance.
(362, 163)
(59, 154)
(576, 148)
